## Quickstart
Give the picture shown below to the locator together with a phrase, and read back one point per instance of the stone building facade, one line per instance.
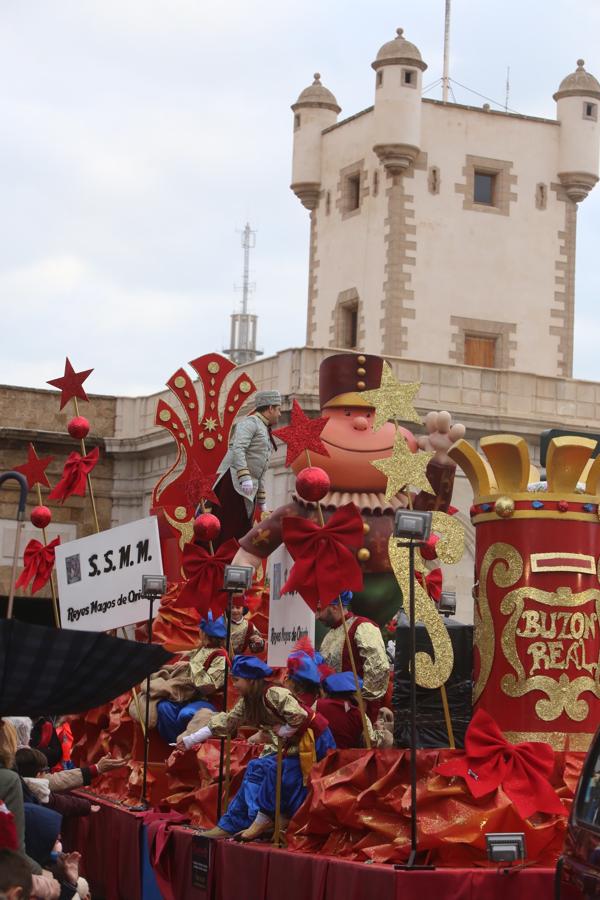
(444, 232)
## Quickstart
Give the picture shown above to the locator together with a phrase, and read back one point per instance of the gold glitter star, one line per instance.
(210, 424)
(404, 468)
(393, 400)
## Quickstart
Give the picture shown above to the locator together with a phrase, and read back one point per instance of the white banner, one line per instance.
(100, 576)
(289, 616)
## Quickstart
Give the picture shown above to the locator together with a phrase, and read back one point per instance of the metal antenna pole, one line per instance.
(507, 88)
(446, 74)
(242, 347)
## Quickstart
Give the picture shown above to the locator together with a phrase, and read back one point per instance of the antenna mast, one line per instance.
(446, 75)
(243, 325)
(507, 89)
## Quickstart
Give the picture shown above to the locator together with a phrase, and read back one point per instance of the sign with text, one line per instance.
(100, 576)
(289, 617)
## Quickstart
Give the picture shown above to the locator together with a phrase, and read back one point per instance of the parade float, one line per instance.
(536, 640)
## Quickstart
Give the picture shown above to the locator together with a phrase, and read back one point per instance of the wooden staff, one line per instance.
(52, 588)
(88, 476)
(359, 695)
(277, 829)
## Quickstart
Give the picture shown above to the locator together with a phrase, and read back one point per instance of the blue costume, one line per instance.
(207, 668)
(258, 789)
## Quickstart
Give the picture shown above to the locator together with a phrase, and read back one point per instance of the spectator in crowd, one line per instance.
(15, 875)
(31, 765)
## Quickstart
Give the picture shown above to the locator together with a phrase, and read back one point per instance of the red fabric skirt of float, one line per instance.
(358, 807)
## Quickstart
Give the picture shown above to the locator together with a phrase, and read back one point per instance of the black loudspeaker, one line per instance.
(431, 726)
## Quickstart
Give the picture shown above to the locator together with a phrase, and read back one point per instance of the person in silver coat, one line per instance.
(240, 486)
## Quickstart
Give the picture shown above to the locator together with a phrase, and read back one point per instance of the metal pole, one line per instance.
(413, 707)
(223, 744)
(446, 74)
(144, 800)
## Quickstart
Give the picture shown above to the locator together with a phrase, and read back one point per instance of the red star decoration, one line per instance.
(34, 469)
(302, 434)
(71, 384)
(200, 486)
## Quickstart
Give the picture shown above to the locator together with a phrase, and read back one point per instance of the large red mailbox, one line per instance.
(537, 597)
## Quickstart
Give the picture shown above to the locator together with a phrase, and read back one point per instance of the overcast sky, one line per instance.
(136, 136)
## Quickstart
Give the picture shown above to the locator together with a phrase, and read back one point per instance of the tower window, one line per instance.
(327, 203)
(480, 351)
(409, 78)
(484, 185)
(375, 183)
(379, 79)
(590, 111)
(541, 196)
(434, 180)
(350, 325)
(353, 192)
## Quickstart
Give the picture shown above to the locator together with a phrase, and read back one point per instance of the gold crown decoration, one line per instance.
(506, 485)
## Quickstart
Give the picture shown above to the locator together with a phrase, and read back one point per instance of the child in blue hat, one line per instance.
(275, 711)
(340, 708)
(200, 683)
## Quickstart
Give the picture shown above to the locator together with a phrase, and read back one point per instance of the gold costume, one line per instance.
(211, 677)
(241, 633)
(282, 708)
(371, 649)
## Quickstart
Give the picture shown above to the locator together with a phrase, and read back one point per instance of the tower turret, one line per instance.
(577, 101)
(315, 109)
(398, 83)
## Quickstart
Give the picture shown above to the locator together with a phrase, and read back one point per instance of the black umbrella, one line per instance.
(46, 671)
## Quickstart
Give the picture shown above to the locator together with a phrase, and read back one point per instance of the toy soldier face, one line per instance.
(352, 444)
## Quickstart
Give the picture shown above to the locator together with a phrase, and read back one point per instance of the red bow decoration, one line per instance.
(523, 770)
(203, 589)
(77, 468)
(433, 583)
(39, 562)
(324, 562)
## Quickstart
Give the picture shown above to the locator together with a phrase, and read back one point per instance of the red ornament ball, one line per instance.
(40, 516)
(206, 527)
(563, 505)
(79, 428)
(312, 483)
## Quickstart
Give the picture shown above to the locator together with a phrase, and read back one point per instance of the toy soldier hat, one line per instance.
(267, 398)
(343, 377)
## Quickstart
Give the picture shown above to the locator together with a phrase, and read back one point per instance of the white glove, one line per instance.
(247, 486)
(198, 737)
(284, 731)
